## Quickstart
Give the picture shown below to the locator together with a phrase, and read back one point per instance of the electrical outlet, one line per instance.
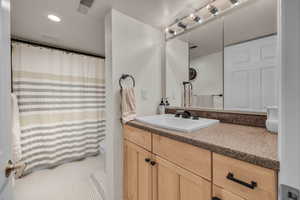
(289, 193)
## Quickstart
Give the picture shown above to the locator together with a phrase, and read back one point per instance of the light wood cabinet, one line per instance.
(138, 136)
(185, 155)
(246, 180)
(221, 194)
(176, 183)
(160, 168)
(137, 173)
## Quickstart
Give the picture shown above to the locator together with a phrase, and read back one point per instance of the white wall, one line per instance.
(289, 133)
(135, 48)
(209, 78)
(5, 88)
(177, 69)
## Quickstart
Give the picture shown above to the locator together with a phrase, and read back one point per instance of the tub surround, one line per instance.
(250, 144)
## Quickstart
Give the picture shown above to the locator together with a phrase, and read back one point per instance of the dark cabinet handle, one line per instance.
(252, 186)
(216, 198)
(153, 163)
(147, 160)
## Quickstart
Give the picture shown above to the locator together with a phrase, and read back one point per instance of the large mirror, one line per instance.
(226, 63)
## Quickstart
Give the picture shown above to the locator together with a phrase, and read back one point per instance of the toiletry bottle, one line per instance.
(161, 107)
(167, 102)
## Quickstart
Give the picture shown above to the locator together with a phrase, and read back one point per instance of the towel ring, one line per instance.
(125, 76)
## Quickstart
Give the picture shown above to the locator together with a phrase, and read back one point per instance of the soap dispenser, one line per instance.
(162, 107)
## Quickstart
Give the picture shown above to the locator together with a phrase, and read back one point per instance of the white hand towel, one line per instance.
(128, 104)
(16, 137)
(16, 130)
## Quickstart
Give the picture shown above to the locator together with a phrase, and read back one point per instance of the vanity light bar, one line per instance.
(201, 16)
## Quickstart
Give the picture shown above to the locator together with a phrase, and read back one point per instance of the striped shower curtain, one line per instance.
(61, 98)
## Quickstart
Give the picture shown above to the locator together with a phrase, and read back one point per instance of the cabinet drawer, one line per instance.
(138, 136)
(186, 156)
(221, 194)
(246, 180)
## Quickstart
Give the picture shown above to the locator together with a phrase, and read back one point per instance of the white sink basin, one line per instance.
(171, 122)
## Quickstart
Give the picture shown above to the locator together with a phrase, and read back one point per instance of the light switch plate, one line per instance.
(144, 94)
(289, 193)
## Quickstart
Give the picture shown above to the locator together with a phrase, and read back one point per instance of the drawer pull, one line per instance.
(252, 186)
(153, 163)
(147, 160)
(216, 198)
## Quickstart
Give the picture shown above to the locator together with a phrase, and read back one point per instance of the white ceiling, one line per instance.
(86, 32)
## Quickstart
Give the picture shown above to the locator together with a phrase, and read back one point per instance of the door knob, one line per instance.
(11, 167)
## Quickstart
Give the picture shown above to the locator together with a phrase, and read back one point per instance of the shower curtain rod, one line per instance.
(55, 48)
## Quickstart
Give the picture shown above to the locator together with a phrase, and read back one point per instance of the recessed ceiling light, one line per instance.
(54, 18)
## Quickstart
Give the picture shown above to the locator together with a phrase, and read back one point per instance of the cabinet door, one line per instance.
(175, 183)
(137, 173)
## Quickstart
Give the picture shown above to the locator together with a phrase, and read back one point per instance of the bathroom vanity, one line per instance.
(229, 64)
(220, 162)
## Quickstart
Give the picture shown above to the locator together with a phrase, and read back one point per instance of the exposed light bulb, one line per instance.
(212, 9)
(234, 2)
(170, 31)
(196, 18)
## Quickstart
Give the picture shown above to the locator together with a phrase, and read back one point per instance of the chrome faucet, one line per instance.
(185, 114)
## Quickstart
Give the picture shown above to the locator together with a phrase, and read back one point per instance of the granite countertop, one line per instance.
(251, 144)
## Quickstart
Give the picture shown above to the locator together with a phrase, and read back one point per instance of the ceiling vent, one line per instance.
(84, 6)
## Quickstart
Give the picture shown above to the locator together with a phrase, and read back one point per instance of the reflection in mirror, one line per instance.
(197, 57)
(230, 61)
(250, 68)
(206, 58)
